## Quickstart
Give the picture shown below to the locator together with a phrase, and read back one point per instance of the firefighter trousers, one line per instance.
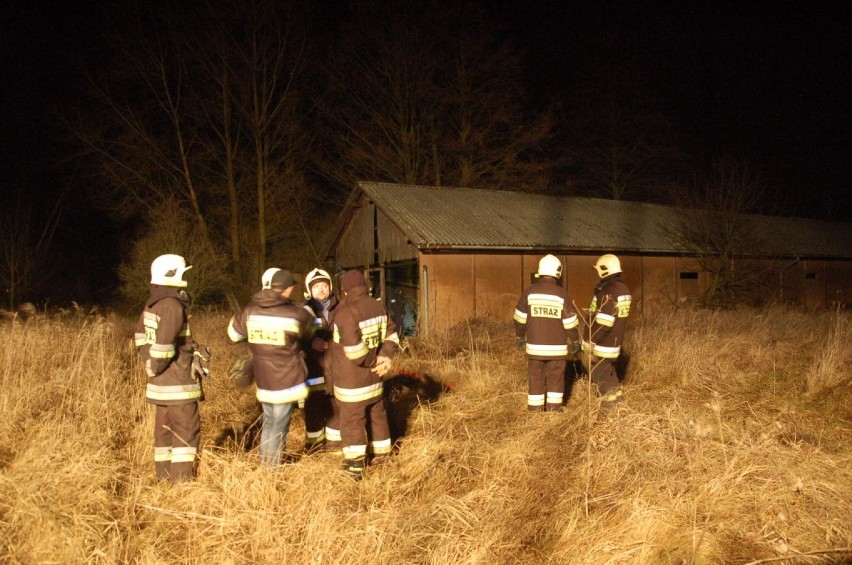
(333, 438)
(317, 409)
(546, 384)
(177, 433)
(604, 375)
(363, 421)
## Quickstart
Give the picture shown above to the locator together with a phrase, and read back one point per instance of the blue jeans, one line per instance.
(273, 435)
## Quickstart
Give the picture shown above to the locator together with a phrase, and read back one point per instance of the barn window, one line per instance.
(810, 276)
(689, 275)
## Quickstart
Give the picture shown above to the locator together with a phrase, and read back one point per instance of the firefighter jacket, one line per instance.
(165, 345)
(321, 315)
(546, 318)
(610, 307)
(361, 331)
(276, 330)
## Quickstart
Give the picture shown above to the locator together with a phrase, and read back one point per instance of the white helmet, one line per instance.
(168, 270)
(608, 265)
(549, 266)
(266, 278)
(315, 276)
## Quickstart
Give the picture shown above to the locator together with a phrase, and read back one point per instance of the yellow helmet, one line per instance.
(168, 270)
(608, 265)
(549, 266)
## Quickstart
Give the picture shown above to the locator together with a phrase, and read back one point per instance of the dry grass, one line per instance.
(733, 447)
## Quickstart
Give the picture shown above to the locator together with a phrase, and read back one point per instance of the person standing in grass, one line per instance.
(168, 353)
(610, 308)
(364, 342)
(322, 428)
(546, 329)
(275, 329)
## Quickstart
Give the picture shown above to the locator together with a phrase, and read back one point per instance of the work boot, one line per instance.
(312, 448)
(535, 408)
(555, 408)
(333, 447)
(355, 467)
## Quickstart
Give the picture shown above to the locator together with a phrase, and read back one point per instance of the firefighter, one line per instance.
(364, 342)
(275, 329)
(546, 328)
(168, 353)
(321, 412)
(610, 308)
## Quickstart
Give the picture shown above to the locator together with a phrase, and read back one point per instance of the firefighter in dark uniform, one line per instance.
(276, 329)
(610, 308)
(546, 328)
(322, 428)
(165, 345)
(364, 342)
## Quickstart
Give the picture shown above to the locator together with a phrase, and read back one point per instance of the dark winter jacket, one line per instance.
(165, 345)
(319, 378)
(610, 307)
(276, 330)
(546, 318)
(362, 330)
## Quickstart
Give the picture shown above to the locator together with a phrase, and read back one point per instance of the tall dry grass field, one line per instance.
(733, 447)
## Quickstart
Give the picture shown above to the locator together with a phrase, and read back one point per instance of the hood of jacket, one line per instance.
(267, 298)
(158, 292)
(606, 280)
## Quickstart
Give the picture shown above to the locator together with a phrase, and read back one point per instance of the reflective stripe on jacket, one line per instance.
(362, 330)
(276, 330)
(610, 307)
(164, 342)
(546, 318)
(318, 377)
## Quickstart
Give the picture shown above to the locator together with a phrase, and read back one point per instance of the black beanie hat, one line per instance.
(352, 279)
(282, 280)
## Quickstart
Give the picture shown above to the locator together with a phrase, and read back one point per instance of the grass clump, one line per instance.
(732, 447)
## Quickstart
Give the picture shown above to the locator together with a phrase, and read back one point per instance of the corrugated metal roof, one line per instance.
(466, 218)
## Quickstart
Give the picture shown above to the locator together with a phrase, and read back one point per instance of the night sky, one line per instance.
(767, 85)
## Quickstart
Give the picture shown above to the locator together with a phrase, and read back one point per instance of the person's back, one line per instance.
(610, 308)
(547, 336)
(275, 329)
(364, 341)
(167, 351)
(545, 323)
(361, 326)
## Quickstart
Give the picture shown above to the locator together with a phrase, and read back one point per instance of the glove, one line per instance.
(576, 346)
(383, 366)
(201, 363)
(241, 372)
(520, 344)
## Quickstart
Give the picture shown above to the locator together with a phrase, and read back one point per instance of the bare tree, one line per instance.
(25, 265)
(714, 227)
(202, 111)
(619, 142)
(428, 96)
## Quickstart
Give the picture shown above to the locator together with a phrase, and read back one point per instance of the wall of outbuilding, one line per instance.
(460, 285)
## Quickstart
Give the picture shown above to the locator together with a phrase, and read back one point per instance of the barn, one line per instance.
(437, 256)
